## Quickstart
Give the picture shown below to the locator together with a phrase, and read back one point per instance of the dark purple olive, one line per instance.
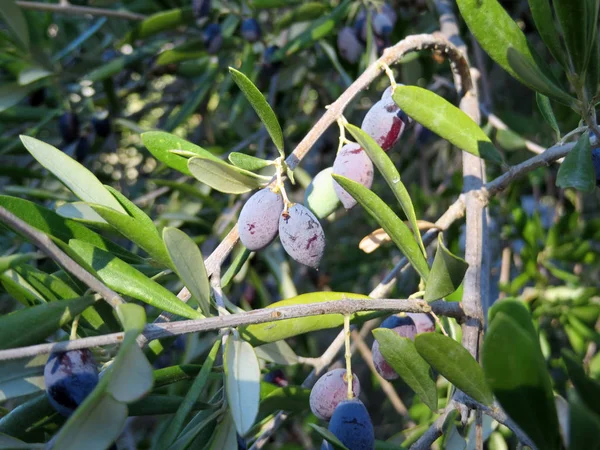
(201, 8)
(352, 425)
(101, 124)
(68, 127)
(250, 30)
(82, 149)
(37, 97)
(70, 377)
(212, 38)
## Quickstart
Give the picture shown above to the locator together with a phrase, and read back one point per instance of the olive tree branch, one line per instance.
(74, 10)
(53, 251)
(168, 329)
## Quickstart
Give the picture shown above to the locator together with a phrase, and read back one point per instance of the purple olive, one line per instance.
(403, 326)
(348, 45)
(212, 38)
(385, 122)
(329, 391)
(258, 223)
(301, 235)
(352, 425)
(250, 30)
(352, 162)
(423, 322)
(68, 126)
(69, 377)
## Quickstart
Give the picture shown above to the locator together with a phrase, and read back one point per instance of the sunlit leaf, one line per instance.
(224, 177)
(21, 377)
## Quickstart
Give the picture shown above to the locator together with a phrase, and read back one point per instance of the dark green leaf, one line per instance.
(577, 170)
(447, 273)
(158, 405)
(588, 389)
(446, 120)
(401, 354)
(260, 105)
(328, 436)
(225, 435)
(83, 213)
(499, 35)
(389, 221)
(572, 16)
(248, 162)
(17, 422)
(76, 177)
(391, 175)
(544, 22)
(160, 145)
(170, 433)
(224, 177)
(15, 20)
(123, 278)
(11, 94)
(584, 424)
(189, 264)
(264, 333)
(33, 325)
(305, 12)
(456, 364)
(242, 382)
(189, 50)
(515, 369)
(49, 222)
(530, 74)
(545, 108)
(288, 398)
(10, 261)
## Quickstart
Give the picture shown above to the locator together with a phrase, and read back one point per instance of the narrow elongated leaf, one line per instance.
(60, 228)
(516, 371)
(193, 394)
(225, 436)
(447, 273)
(21, 377)
(32, 325)
(391, 175)
(545, 108)
(10, 261)
(76, 177)
(544, 22)
(15, 20)
(584, 424)
(305, 12)
(9, 442)
(224, 177)
(82, 212)
(270, 332)
(160, 145)
(11, 94)
(577, 170)
(248, 162)
(79, 40)
(456, 364)
(328, 436)
(445, 120)
(205, 84)
(530, 74)
(123, 278)
(242, 382)
(389, 221)
(204, 420)
(588, 388)
(401, 354)
(572, 16)
(288, 398)
(189, 264)
(261, 106)
(161, 21)
(17, 421)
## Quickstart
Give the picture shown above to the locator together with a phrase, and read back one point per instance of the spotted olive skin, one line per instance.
(385, 123)
(69, 378)
(349, 45)
(250, 30)
(68, 126)
(329, 391)
(352, 425)
(423, 322)
(302, 236)
(320, 196)
(258, 223)
(352, 162)
(403, 326)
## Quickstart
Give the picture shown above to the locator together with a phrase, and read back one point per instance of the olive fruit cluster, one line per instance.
(406, 326)
(348, 419)
(351, 40)
(384, 122)
(69, 378)
(264, 216)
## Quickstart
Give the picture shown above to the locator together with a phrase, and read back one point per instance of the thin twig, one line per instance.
(51, 249)
(79, 10)
(167, 329)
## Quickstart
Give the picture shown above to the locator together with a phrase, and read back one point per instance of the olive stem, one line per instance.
(280, 183)
(348, 356)
(74, 326)
(390, 75)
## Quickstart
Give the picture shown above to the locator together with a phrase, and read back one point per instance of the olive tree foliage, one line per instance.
(207, 206)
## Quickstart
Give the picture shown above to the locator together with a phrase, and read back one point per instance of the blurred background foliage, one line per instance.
(122, 77)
